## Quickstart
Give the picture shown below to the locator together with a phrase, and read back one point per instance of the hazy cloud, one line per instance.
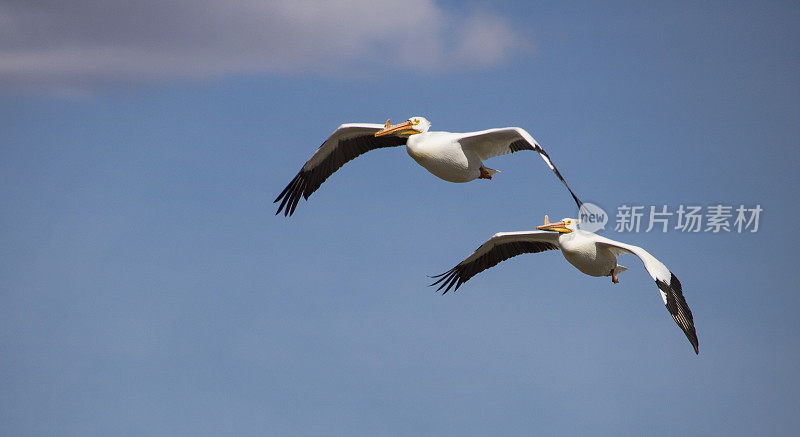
(83, 43)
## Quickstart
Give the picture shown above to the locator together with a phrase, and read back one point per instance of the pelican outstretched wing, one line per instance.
(496, 142)
(346, 143)
(500, 247)
(668, 285)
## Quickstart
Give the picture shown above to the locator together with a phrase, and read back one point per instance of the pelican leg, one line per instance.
(613, 275)
(485, 173)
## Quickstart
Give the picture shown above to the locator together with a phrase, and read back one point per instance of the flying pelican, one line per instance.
(454, 157)
(588, 252)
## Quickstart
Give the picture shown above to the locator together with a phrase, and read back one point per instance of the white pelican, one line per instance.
(454, 157)
(588, 252)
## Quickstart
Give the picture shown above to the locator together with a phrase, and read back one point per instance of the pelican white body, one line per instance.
(441, 154)
(581, 251)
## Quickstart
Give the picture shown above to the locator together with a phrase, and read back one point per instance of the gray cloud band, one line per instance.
(81, 43)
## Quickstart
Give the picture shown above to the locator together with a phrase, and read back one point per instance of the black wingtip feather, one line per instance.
(309, 179)
(441, 277)
(679, 309)
(464, 271)
(289, 193)
(447, 280)
(577, 201)
(541, 151)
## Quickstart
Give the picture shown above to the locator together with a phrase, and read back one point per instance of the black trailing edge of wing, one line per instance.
(309, 180)
(677, 307)
(518, 145)
(501, 252)
(558, 173)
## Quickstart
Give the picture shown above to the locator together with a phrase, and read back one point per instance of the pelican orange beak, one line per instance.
(403, 128)
(558, 226)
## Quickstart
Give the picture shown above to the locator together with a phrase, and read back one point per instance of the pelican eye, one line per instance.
(415, 121)
(567, 222)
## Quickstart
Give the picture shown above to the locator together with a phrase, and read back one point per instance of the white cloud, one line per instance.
(82, 43)
(487, 40)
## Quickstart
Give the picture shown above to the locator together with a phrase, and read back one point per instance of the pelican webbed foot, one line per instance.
(486, 172)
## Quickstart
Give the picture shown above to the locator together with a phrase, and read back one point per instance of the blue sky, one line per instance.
(148, 287)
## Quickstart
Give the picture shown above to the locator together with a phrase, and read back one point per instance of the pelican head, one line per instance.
(565, 226)
(414, 125)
